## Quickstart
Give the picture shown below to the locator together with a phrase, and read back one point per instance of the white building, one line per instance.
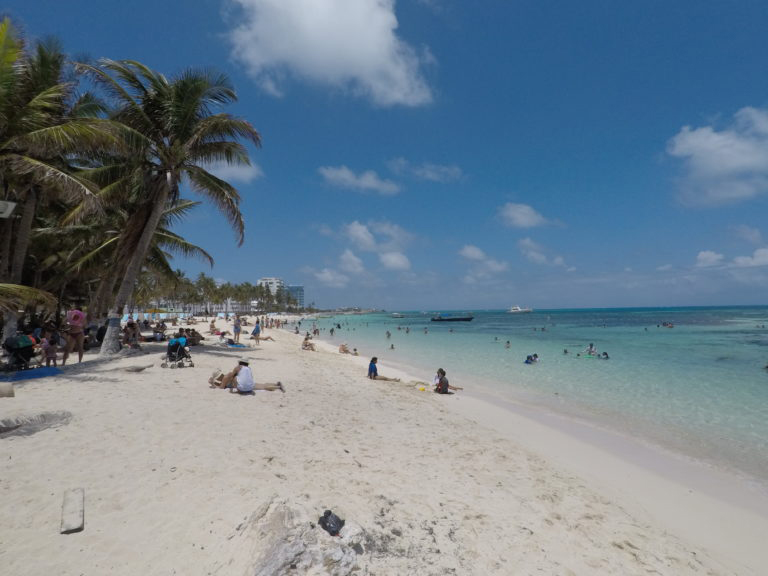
(272, 283)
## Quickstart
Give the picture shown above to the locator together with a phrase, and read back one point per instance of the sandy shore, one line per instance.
(183, 479)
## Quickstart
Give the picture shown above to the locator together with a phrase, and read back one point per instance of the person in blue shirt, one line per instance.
(373, 372)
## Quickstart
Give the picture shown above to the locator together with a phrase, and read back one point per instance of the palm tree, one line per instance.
(173, 136)
(37, 134)
(108, 257)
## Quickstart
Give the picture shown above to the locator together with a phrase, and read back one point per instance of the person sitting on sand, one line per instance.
(343, 349)
(240, 380)
(194, 337)
(131, 335)
(442, 385)
(307, 345)
(373, 372)
(212, 327)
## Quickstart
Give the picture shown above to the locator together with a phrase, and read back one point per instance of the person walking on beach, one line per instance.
(236, 327)
(442, 386)
(256, 332)
(75, 335)
(240, 380)
(373, 372)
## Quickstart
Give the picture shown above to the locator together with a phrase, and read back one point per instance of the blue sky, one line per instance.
(425, 154)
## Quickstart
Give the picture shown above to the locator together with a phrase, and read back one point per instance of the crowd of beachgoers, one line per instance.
(176, 476)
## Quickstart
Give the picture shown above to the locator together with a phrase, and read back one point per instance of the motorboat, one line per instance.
(441, 318)
(397, 315)
(518, 310)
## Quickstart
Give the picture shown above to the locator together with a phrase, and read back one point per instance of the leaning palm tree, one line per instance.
(174, 135)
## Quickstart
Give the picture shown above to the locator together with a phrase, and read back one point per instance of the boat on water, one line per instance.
(518, 310)
(441, 318)
(397, 315)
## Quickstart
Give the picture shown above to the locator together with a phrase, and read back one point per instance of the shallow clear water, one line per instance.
(700, 387)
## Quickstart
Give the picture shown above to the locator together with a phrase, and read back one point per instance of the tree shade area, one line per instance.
(94, 161)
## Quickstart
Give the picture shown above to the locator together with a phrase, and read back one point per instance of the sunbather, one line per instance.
(240, 380)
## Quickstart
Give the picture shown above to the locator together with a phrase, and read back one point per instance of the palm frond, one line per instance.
(14, 297)
(223, 195)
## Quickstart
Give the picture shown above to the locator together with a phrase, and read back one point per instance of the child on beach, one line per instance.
(442, 386)
(49, 345)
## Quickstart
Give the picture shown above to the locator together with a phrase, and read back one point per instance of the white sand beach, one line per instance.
(183, 479)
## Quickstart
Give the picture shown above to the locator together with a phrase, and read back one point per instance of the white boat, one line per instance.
(397, 315)
(518, 310)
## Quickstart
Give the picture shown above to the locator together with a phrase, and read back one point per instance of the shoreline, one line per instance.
(704, 438)
(181, 477)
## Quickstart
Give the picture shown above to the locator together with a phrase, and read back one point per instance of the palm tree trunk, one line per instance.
(111, 344)
(6, 234)
(23, 235)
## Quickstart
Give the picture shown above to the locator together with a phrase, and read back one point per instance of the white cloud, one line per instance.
(351, 263)
(232, 173)
(521, 216)
(332, 278)
(472, 252)
(360, 236)
(758, 258)
(707, 258)
(344, 44)
(537, 254)
(724, 166)
(368, 181)
(749, 234)
(483, 266)
(426, 171)
(495, 266)
(664, 267)
(394, 261)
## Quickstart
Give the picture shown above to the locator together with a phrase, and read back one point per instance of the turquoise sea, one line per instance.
(697, 385)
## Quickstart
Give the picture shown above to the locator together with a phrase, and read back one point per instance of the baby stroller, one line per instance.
(20, 350)
(177, 355)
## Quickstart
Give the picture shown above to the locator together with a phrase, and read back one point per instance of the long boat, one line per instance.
(518, 310)
(440, 318)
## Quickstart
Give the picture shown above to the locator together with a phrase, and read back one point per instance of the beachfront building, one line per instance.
(296, 293)
(274, 284)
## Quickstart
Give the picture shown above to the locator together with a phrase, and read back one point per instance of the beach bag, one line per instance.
(331, 523)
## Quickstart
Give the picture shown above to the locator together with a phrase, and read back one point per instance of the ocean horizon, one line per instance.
(689, 379)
